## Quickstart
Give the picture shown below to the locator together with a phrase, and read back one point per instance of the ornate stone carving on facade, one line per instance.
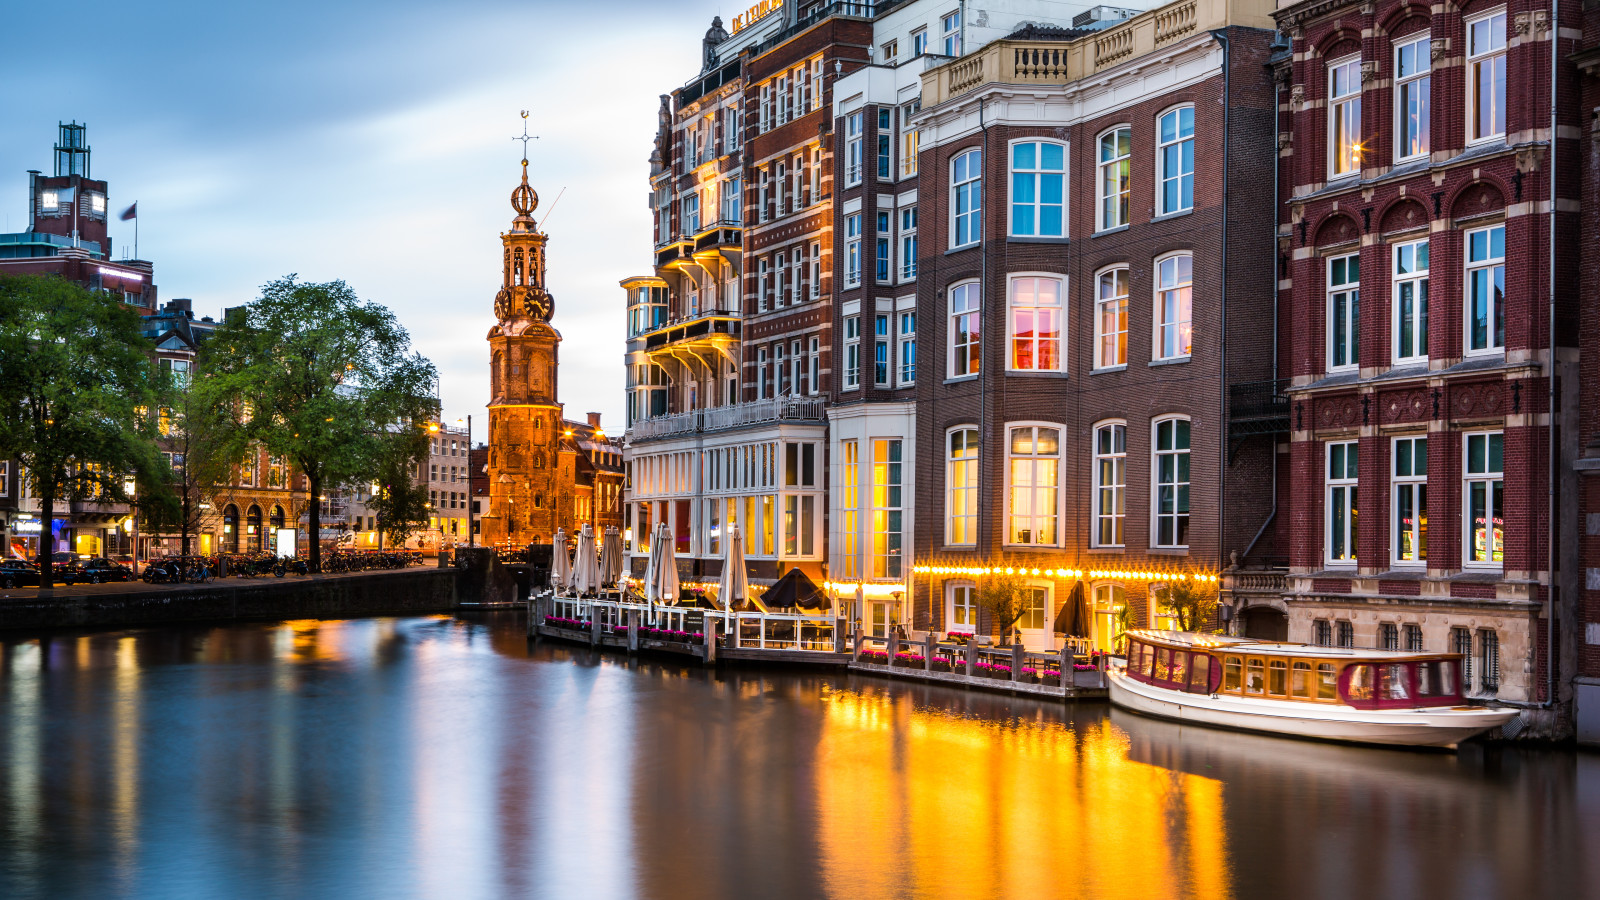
(1297, 97)
(1369, 71)
(1439, 49)
(715, 35)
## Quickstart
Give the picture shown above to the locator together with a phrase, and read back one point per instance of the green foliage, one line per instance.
(401, 501)
(316, 375)
(197, 464)
(80, 388)
(1193, 603)
(1005, 597)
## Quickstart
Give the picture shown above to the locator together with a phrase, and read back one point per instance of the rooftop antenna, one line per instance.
(553, 207)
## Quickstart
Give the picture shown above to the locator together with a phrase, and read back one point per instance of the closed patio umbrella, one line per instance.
(560, 563)
(1073, 619)
(585, 577)
(735, 584)
(611, 557)
(663, 585)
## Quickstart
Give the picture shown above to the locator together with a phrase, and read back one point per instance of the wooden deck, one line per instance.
(1084, 686)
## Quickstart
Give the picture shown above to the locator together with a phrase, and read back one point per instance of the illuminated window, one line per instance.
(961, 608)
(1111, 319)
(965, 327)
(1174, 306)
(1115, 176)
(850, 503)
(1036, 325)
(1033, 481)
(1341, 484)
(1486, 77)
(1410, 505)
(886, 509)
(1484, 499)
(961, 488)
(1344, 116)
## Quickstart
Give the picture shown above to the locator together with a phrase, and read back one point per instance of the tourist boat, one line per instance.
(1326, 693)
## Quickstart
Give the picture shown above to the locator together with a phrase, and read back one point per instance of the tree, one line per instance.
(400, 503)
(1193, 603)
(318, 376)
(196, 462)
(1006, 599)
(80, 383)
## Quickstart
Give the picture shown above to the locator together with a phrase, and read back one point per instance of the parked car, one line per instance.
(18, 573)
(93, 571)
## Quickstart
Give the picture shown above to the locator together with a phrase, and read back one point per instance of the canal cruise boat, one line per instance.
(1300, 690)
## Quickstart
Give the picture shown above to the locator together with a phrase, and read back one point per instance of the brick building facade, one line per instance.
(1416, 257)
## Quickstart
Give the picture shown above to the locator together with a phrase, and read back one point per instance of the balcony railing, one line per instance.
(721, 418)
(1258, 407)
(1060, 62)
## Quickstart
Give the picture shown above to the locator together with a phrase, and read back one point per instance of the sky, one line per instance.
(369, 142)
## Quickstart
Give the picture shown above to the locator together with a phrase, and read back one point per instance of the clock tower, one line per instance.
(531, 478)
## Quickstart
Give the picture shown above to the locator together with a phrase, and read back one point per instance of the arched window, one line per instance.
(961, 487)
(496, 372)
(966, 198)
(1175, 161)
(276, 519)
(1174, 313)
(966, 324)
(230, 529)
(252, 529)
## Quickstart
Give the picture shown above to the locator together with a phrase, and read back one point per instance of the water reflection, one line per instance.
(435, 757)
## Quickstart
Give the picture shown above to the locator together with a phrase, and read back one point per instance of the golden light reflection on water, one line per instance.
(926, 802)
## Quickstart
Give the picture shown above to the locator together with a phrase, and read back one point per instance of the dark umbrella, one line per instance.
(1073, 619)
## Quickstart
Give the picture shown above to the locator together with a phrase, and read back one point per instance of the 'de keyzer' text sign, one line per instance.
(755, 14)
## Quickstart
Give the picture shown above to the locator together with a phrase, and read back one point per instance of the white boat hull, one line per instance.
(1434, 727)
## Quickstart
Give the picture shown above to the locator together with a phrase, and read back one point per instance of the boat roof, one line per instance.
(1271, 648)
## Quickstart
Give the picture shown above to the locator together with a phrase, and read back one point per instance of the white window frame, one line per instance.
(1350, 320)
(951, 24)
(1493, 56)
(960, 595)
(1119, 166)
(1108, 301)
(906, 351)
(961, 502)
(910, 139)
(882, 364)
(852, 250)
(1181, 177)
(1408, 490)
(852, 148)
(814, 360)
(1341, 491)
(883, 262)
(1176, 287)
(1109, 481)
(1039, 461)
(965, 300)
(1420, 78)
(852, 352)
(1409, 261)
(919, 42)
(1037, 176)
(1059, 307)
(908, 242)
(1494, 483)
(1351, 67)
(816, 269)
(1488, 264)
(884, 159)
(966, 227)
(1182, 488)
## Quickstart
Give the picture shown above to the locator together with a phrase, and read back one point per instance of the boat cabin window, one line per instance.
(1180, 667)
(1392, 682)
(1277, 677)
(1327, 682)
(1163, 663)
(1360, 683)
(1232, 674)
(1200, 674)
(1255, 680)
(1300, 680)
(1436, 678)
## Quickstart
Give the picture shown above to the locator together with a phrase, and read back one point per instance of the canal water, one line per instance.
(447, 757)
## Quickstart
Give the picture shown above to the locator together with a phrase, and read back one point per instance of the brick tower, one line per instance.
(530, 479)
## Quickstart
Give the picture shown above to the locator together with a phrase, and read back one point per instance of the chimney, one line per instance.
(594, 420)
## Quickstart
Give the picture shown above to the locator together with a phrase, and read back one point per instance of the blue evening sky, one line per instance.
(369, 142)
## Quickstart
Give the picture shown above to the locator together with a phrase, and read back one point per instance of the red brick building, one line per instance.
(1415, 258)
(1581, 666)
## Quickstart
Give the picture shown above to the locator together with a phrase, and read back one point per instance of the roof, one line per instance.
(1271, 648)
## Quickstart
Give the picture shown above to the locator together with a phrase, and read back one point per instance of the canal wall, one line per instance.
(409, 591)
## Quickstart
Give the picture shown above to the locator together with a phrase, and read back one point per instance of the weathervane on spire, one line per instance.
(525, 137)
(524, 199)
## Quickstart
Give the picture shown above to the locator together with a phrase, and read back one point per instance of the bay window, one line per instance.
(965, 329)
(1038, 197)
(966, 198)
(1111, 319)
(1036, 324)
(1034, 469)
(1115, 175)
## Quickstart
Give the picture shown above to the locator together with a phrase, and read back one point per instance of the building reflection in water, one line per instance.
(436, 757)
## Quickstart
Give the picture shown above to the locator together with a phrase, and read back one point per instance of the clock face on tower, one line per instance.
(540, 305)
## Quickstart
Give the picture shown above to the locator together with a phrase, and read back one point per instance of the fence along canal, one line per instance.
(617, 621)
